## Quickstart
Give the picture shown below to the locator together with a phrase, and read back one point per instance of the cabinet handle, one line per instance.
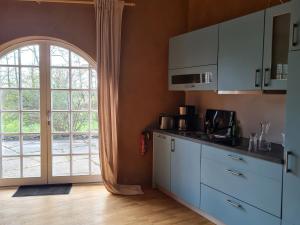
(234, 204)
(172, 145)
(257, 80)
(267, 77)
(295, 35)
(235, 173)
(235, 158)
(286, 165)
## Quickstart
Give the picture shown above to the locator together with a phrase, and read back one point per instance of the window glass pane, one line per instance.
(80, 121)
(11, 167)
(31, 145)
(9, 99)
(78, 61)
(30, 99)
(95, 143)
(61, 166)
(10, 122)
(60, 144)
(95, 165)
(30, 55)
(32, 166)
(94, 121)
(94, 79)
(80, 78)
(30, 77)
(60, 100)
(12, 58)
(80, 143)
(80, 165)
(59, 56)
(94, 100)
(31, 122)
(10, 145)
(80, 100)
(59, 78)
(9, 77)
(60, 122)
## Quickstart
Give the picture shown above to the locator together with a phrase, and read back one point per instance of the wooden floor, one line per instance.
(92, 205)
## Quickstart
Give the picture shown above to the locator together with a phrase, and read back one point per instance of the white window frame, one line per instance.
(46, 156)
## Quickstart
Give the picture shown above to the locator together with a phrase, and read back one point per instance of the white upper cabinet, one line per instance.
(276, 47)
(240, 53)
(197, 48)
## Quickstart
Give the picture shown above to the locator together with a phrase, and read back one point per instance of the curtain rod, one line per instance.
(70, 2)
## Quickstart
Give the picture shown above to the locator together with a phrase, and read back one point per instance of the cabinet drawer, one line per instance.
(232, 211)
(259, 191)
(242, 162)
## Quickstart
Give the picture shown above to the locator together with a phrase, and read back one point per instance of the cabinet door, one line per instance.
(276, 47)
(197, 48)
(185, 171)
(161, 159)
(295, 25)
(240, 53)
(291, 178)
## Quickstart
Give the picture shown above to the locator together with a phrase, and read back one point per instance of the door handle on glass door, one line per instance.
(49, 117)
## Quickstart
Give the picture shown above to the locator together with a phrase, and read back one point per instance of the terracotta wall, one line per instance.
(250, 109)
(72, 23)
(143, 85)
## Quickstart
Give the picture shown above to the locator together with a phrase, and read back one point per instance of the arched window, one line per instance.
(48, 114)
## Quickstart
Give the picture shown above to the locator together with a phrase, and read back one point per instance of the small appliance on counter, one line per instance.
(221, 126)
(187, 119)
(166, 122)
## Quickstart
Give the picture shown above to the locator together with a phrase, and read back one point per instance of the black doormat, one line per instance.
(39, 190)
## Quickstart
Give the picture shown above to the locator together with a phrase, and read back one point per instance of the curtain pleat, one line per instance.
(109, 23)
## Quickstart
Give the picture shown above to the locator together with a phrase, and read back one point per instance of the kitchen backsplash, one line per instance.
(251, 109)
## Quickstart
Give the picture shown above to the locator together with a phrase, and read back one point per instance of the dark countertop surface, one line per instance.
(241, 147)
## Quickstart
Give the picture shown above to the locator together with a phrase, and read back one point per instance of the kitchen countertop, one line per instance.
(275, 155)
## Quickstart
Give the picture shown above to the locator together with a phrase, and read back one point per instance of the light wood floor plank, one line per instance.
(93, 205)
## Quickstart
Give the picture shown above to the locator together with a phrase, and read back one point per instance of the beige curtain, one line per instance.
(109, 22)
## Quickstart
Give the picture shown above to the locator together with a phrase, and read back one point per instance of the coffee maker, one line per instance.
(187, 118)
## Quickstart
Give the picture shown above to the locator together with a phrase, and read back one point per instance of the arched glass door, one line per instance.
(48, 115)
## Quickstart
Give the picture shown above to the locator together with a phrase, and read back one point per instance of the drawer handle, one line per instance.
(234, 204)
(234, 173)
(235, 157)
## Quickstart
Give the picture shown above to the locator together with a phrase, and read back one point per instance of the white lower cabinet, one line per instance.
(215, 182)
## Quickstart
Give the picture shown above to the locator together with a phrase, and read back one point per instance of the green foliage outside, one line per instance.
(28, 99)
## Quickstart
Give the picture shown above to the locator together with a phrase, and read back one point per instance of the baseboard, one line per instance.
(196, 210)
